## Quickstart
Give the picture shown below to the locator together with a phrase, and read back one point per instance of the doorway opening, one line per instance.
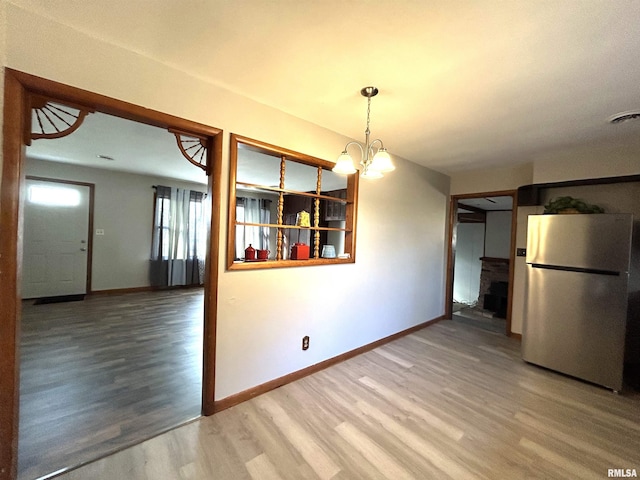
(25, 94)
(480, 266)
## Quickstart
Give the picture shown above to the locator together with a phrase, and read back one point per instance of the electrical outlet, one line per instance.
(305, 342)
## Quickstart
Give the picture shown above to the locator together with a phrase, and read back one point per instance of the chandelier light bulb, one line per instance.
(382, 161)
(344, 164)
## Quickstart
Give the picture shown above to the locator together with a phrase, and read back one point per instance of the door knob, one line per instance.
(83, 249)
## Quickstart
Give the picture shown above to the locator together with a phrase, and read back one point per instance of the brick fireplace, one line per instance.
(495, 273)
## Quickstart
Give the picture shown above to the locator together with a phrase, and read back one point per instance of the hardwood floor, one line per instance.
(106, 373)
(479, 318)
(449, 401)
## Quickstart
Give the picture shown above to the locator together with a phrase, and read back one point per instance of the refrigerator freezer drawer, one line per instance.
(575, 324)
(598, 241)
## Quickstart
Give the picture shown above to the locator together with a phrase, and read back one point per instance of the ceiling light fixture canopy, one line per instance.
(375, 159)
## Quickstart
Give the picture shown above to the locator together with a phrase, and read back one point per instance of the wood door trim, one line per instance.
(10, 254)
(92, 188)
(19, 87)
(453, 212)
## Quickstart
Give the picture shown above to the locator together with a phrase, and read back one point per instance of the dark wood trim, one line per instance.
(497, 193)
(451, 257)
(231, 213)
(92, 194)
(112, 106)
(19, 87)
(15, 106)
(517, 336)
(529, 195)
(452, 232)
(232, 400)
(300, 157)
(512, 261)
(351, 214)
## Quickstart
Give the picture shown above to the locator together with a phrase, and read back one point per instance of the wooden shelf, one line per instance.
(329, 198)
(297, 227)
(240, 265)
(335, 203)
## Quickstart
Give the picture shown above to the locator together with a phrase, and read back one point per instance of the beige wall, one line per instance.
(593, 161)
(3, 62)
(398, 278)
(491, 179)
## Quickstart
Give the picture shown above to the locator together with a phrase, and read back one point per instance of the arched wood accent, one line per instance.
(194, 149)
(52, 119)
(19, 89)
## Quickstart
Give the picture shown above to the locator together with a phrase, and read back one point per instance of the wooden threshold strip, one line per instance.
(238, 398)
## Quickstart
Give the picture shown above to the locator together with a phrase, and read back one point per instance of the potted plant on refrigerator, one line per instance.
(571, 205)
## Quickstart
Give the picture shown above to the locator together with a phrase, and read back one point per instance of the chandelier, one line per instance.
(375, 159)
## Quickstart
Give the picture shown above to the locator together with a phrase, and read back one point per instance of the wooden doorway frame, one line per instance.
(19, 89)
(451, 252)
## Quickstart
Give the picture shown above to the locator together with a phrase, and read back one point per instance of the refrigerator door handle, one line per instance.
(576, 269)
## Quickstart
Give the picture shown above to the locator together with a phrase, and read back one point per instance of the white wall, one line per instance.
(498, 235)
(398, 278)
(123, 208)
(468, 266)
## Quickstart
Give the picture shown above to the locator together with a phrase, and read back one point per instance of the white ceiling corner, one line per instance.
(463, 83)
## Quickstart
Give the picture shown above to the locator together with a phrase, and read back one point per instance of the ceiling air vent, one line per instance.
(623, 117)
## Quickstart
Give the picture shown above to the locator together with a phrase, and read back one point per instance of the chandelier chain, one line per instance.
(368, 113)
(375, 160)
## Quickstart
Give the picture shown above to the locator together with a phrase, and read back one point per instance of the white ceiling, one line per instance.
(134, 147)
(463, 83)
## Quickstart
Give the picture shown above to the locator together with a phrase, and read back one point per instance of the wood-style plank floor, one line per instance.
(449, 401)
(106, 373)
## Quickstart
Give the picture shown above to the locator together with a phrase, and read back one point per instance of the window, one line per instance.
(179, 237)
(54, 196)
(252, 210)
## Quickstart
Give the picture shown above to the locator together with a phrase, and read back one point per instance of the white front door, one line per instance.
(56, 234)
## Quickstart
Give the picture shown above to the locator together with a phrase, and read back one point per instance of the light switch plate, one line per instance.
(99, 231)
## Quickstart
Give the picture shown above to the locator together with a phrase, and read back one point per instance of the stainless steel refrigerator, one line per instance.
(576, 294)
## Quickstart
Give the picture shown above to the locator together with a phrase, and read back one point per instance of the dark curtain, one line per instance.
(179, 238)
